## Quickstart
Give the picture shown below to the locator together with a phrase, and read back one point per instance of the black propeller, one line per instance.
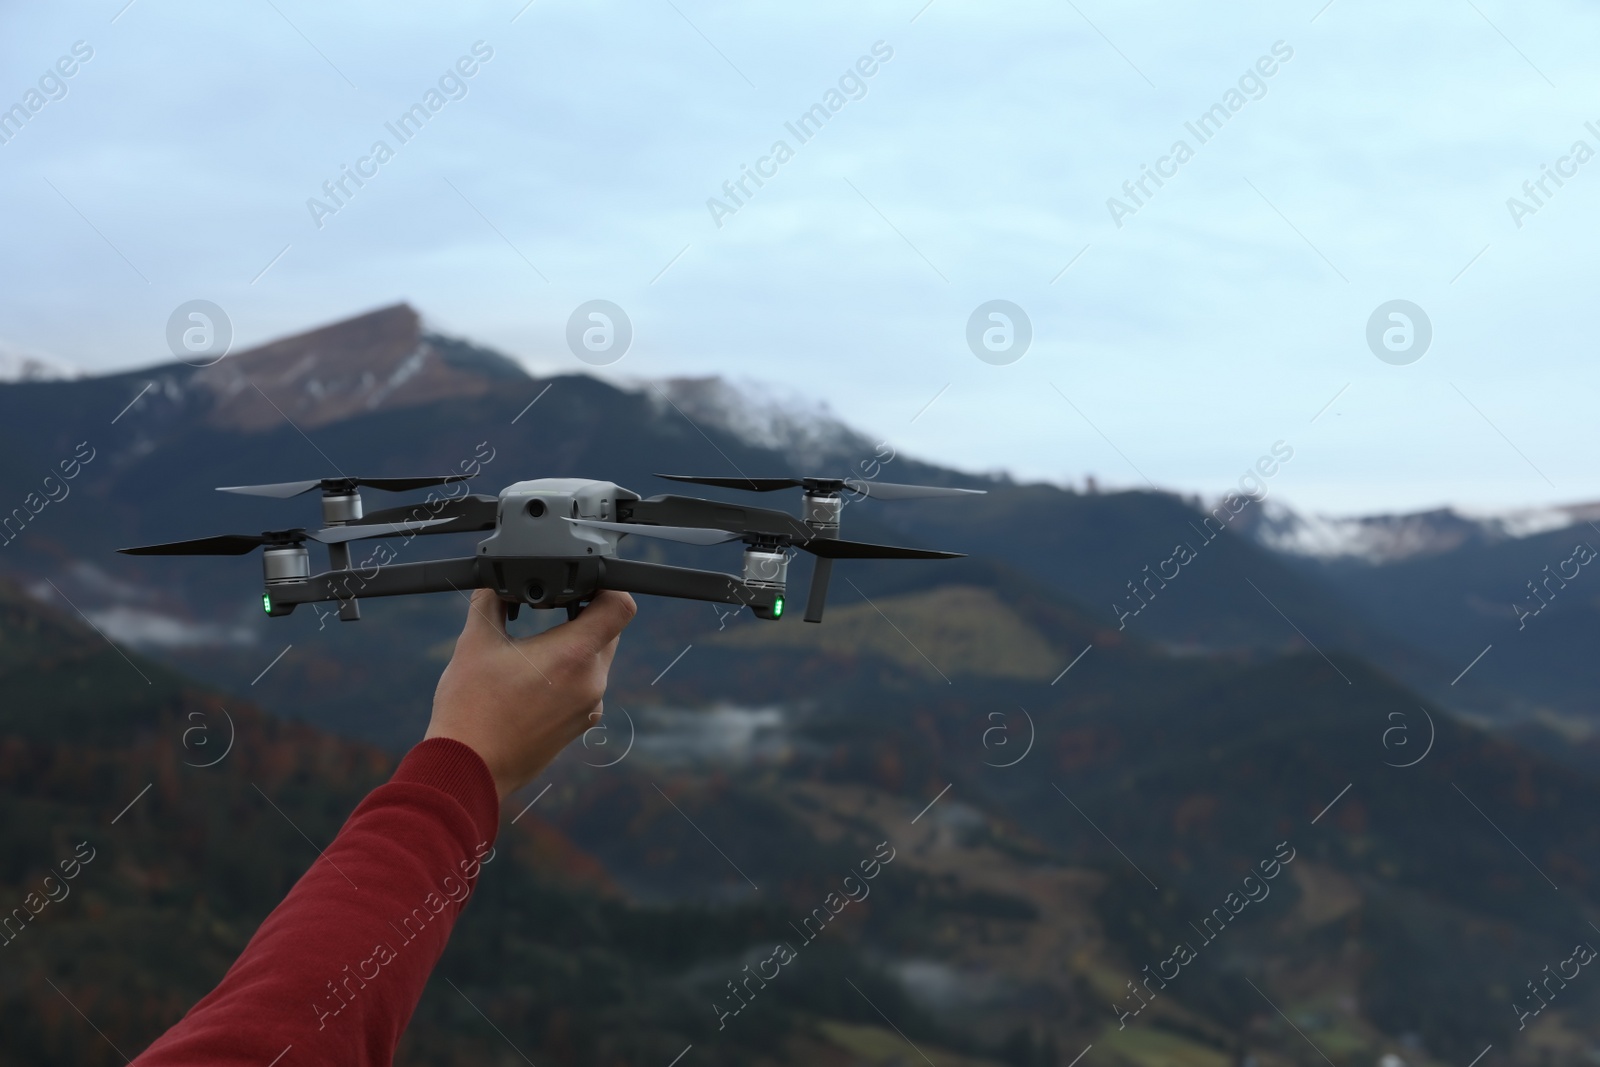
(239, 544)
(829, 548)
(468, 513)
(826, 547)
(861, 486)
(284, 490)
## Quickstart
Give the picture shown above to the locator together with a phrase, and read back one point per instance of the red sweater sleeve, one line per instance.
(334, 973)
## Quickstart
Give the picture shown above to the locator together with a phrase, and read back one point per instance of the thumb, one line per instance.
(486, 615)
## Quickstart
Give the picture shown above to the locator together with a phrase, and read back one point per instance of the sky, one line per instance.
(1369, 153)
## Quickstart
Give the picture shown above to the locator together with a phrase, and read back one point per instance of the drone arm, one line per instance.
(637, 576)
(471, 572)
(397, 579)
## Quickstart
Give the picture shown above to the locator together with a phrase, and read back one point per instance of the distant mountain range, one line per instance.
(17, 365)
(1079, 739)
(1419, 595)
(1383, 539)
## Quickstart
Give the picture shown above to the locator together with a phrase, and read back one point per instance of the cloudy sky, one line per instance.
(1175, 338)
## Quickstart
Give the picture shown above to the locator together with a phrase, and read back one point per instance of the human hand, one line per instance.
(518, 701)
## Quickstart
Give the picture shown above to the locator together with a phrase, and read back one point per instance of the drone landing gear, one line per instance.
(339, 560)
(350, 608)
(819, 589)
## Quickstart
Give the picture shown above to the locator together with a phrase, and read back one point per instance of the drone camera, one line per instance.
(533, 512)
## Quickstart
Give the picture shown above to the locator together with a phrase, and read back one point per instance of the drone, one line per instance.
(553, 542)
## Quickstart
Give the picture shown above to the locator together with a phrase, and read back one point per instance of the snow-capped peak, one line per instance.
(18, 365)
(802, 428)
(1389, 538)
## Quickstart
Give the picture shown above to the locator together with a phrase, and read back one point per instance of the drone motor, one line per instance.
(288, 563)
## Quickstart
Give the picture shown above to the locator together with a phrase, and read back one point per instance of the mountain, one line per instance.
(1004, 929)
(1384, 539)
(17, 365)
(807, 434)
(191, 815)
(1100, 817)
(1505, 599)
(379, 394)
(1074, 760)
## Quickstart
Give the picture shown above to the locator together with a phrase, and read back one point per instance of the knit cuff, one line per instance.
(460, 773)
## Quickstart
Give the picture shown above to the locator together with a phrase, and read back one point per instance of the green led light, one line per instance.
(777, 608)
(266, 603)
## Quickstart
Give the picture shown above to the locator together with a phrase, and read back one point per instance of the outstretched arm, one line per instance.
(334, 973)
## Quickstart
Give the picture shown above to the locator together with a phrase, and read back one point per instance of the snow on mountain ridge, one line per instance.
(804, 429)
(1389, 538)
(17, 365)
